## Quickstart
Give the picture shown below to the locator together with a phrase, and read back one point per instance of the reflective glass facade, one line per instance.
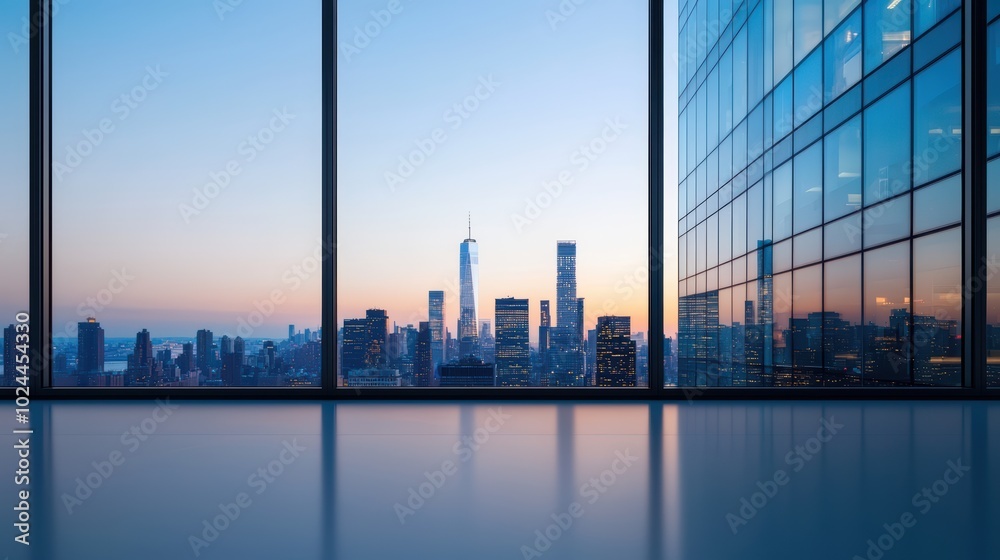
(820, 189)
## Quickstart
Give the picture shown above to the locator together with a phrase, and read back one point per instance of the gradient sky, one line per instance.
(119, 207)
(557, 88)
(13, 167)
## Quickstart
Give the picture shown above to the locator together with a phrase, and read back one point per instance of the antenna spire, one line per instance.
(470, 225)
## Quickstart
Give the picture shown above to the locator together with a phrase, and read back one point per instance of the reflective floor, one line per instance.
(702, 480)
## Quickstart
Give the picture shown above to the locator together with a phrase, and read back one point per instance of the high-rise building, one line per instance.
(468, 372)
(9, 354)
(436, 322)
(487, 342)
(565, 353)
(615, 352)
(423, 372)
(89, 347)
(185, 361)
(353, 345)
(544, 327)
(377, 355)
(513, 353)
(468, 276)
(205, 353)
(142, 362)
(232, 364)
(291, 333)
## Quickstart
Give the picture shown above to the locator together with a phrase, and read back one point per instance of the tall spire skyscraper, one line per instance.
(468, 276)
(565, 353)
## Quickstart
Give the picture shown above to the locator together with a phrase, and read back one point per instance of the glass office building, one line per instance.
(828, 175)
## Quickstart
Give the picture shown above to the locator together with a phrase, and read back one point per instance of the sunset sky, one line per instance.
(554, 90)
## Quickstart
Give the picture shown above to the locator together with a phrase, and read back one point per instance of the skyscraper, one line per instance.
(513, 355)
(615, 352)
(565, 352)
(468, 276)
(9, 353)
(142, 363)
(232, 364)
(354, 345)
(89, 347)
(422, 360)
(436, 324)
(376, 355)
(291, 333)
(204, 352)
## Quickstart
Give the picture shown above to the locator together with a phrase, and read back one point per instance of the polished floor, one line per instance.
(704, 480)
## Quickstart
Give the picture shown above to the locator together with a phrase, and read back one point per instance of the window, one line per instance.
(937, 309)
(808, 188)
(541, 135)
(186, 195)
(886, 146)
(783, 201)
(842, 171)
(937, 205)
(930, 12)
(836, 11)
(14, 212)
(809, 87)
(887, 30)
(993, 306)
(808, 26)
(783, 38)
(937, 119)
(843, 57)
(807, 326)
(887, 221)
(842, 322)
(781, 337)
(784, 106)
(993, 89)
(886, 338)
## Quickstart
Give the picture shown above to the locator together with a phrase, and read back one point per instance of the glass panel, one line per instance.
(783, 256)
(937, 309)
(725, 233)
(808, 188)
(842, 164)
(993, 89)
(783, 109)
(843, 57)
(740, 76)
(993, 185)
(842, 322)
(937, 119)
(887, 221)
(938, 205)
(782, 185)
(783, 38)
(887, 317)
(842, 237)
(755, 216)
(808, 248)
(755, 57)
(809, 88)
(14, 189)
(740, 224)
(725, 363)
(887, 146)
(993, 306)
(806, 326)
(712, 242)
(836, 11)
(887, 30)
(808, 26)
(781, 329)
(421, 158)
(929, 12)
(187, 175)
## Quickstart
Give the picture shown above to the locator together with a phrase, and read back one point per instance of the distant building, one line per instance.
(373, 378)
(615, 352)
(469, 372)
(89, 347)
(513, 353)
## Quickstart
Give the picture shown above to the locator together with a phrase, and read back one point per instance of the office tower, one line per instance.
(205, 355)
(291, 333)
(423, 371)
(468, 276)
(487, 342)
(436, 321)
(185, 361)
(513, 354)
(232, 364)
(225, 346)
(565, 352)
(269, 356)
(375, 377)
(821, 221)
(468, 372)
(376, 354)
(353, 345)
(567, 306)
(615, 352)
(307, 335)
(10, 355)
(141, 367)
(591, 356)
(89, 347)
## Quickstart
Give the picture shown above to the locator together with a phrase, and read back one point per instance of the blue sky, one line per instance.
(556, 87)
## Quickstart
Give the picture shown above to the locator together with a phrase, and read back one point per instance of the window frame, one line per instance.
(974, 232)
